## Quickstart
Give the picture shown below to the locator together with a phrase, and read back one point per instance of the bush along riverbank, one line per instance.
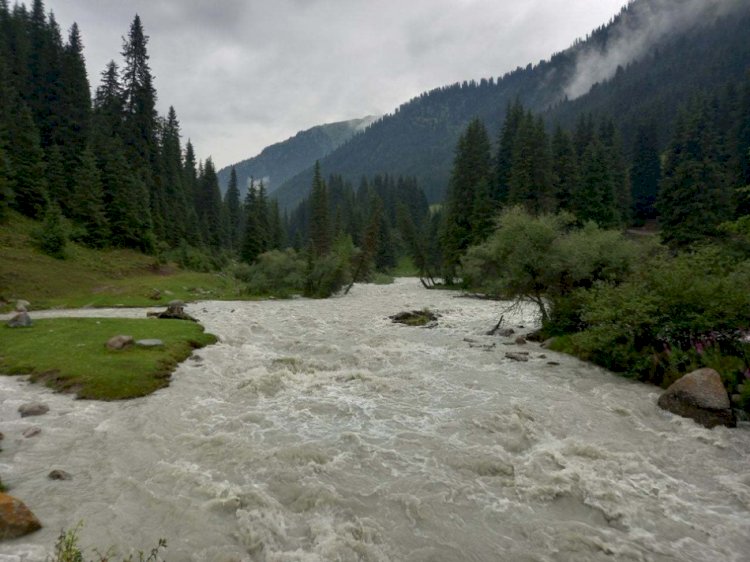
(630, 305)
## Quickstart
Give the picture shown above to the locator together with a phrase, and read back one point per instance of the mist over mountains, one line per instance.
(283, 160)
(647, 61)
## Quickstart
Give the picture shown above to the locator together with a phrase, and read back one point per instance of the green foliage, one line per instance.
(93, 371)
(320, 226)
(279, 273)
(328, 274)
(672, 315)
(53, 234)
(68, 549)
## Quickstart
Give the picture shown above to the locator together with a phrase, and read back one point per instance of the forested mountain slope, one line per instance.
(648, 60)
(283, 160)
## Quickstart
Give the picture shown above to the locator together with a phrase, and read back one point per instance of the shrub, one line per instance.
(330, 273)
(279, 273)
(53, 235)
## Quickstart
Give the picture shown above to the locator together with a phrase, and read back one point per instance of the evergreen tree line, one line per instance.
(377, 216)
(113, 166)
(691, 188)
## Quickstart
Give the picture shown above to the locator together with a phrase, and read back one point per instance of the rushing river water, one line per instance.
(320, 431)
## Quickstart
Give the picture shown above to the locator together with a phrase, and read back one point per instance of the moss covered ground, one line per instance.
(70, 354)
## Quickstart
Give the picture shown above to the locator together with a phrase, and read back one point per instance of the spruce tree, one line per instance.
(6, 191)
(57, 176)
(594, 199)
(27, 163)
(234, 210)
(530, 180)
(210, 206)
(694, 194)
(565, 173)
(645, 172)
(472, 170)
(75, 100)
(514, 115)
(87, 202)
(320, 227)
(252, 242)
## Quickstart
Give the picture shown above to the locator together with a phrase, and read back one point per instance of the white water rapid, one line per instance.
(320, 431)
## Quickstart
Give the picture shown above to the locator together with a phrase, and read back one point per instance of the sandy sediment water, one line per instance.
(320, 431)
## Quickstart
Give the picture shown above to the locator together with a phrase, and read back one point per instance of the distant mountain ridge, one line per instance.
(647, 61)
(281, 161)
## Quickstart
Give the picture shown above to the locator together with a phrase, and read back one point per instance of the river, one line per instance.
(320, 431)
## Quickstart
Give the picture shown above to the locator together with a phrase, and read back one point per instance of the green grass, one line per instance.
(405, 268)
(70, 354)
(96, 278)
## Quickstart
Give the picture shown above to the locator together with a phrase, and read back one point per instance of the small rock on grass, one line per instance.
(16, 520)
(33, 409)
(20, 320)
(149, 343)
(120, 342)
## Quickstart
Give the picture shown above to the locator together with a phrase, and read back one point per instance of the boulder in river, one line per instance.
(33, 409)
(700, 395)
(58, 474)
(32, 431)
(120, 342)
(517, 356)
(20, 320)
(175, 311)
(520, 340)
(16, 520)
(415, 318)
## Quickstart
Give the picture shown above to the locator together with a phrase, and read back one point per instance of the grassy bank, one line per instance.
(96, 278)
(70, 354)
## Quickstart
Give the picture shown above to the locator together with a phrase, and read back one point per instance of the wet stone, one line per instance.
(59, 475)
(33, 409)
(32, 432)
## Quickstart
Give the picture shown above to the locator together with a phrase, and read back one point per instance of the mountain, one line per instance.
(647, 61)
(283, 160)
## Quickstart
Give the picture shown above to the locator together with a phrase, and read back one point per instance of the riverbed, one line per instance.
(321, 431)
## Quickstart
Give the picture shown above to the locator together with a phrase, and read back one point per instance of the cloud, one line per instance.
(243, 74)
(637, 31)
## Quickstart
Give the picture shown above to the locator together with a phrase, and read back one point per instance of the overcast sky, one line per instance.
(243, 74)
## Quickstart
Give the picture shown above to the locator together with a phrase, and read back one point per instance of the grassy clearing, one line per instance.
(70, 354)
(405, 268)
(95, 278)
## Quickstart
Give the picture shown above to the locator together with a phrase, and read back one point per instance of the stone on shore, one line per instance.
(149, 343)
(175, 311)
(16, 520)
(33, 409)
(700, 395)
(120, 342)
(20, 320)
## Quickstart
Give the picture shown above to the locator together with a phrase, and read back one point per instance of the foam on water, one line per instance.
(319, 430)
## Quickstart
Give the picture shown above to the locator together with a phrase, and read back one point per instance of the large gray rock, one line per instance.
(120, 342)
(20, 320)
(700, 395)
(33, 409)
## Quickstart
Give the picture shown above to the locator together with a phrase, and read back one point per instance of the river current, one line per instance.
(320, 431)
